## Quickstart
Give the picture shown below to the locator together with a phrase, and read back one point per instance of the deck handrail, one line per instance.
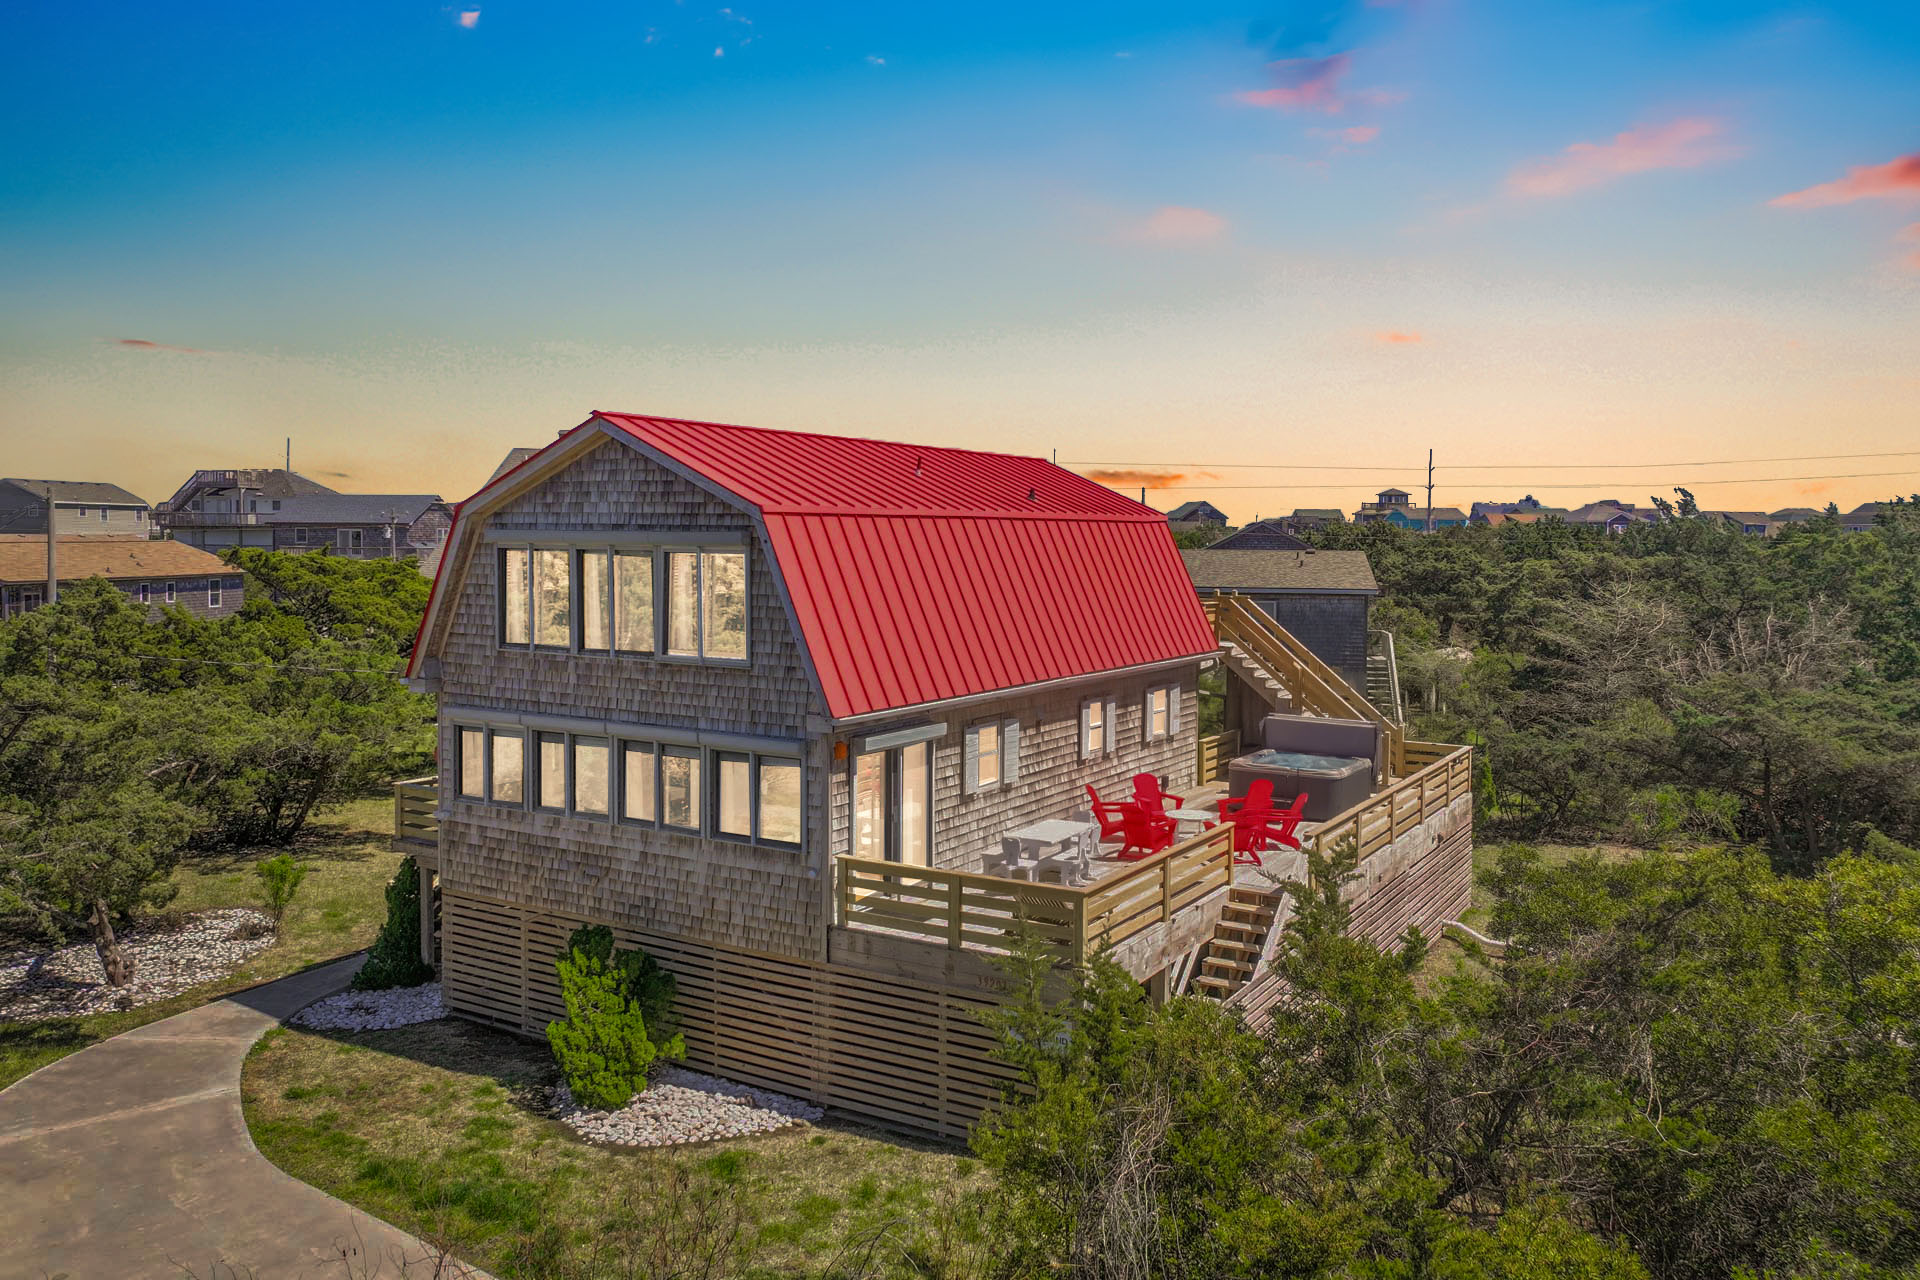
(1443, 775)
(1213, 754)
(416, 802)
(965, 910)
(1319, 688)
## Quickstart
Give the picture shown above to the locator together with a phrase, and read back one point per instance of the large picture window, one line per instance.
(690, 603)
(757, 798)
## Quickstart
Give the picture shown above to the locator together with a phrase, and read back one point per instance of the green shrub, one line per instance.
(394, 959)
(618, 1019)
(280, 878)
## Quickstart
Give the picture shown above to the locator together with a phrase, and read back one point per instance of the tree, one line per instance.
(605, 1046)
(394, 958)
(336, 596)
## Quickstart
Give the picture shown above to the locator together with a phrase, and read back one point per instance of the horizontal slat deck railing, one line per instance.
(414, 803)
(967, 911)
(1317, 687)
(1216, 752)
(1391, 813)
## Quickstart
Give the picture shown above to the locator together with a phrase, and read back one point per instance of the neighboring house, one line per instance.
(1196, 515)
(153, 572)
(1262, 535)
(365, 526)
(1528, 505)
(1307, 519)
(1745, 521)
(1386, 503)
(232, 508)
(80, 507)
(1610, 514)
(1792, 515)
(1322, 597)
(1495, 519)
(1862, 517)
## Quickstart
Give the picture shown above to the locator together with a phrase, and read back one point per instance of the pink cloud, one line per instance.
(1302, 84)
(1684, 143)
(469, 18)
(1398, 338)
(1178, 224)
(1358, 135)
(143, 344)
(1895, 180)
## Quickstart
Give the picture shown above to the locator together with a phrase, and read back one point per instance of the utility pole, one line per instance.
(53, 564)
(1429, 491)
(289, 455)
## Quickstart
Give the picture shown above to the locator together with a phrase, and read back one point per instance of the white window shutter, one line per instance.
(1146, 717)
(1010, 752)
(1086, 730)
(1173, 710)
(970, 765)
(1113, 725)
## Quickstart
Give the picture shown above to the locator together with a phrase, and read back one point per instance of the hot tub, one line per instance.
(1333, 784)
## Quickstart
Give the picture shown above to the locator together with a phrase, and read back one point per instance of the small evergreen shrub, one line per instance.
(280, 879)
(394, 959)
(619, 1019)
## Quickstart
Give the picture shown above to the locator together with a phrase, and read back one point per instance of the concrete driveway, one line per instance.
(131, 1158)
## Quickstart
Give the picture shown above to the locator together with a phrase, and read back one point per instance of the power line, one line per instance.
(1509, 466)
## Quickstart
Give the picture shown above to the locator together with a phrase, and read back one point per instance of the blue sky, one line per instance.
(1326, 234)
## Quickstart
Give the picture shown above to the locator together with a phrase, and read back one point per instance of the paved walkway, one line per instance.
(131, 1158)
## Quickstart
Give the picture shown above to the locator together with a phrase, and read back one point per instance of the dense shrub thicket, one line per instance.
(124, 742)
(1680, 680)
(1682, 1068)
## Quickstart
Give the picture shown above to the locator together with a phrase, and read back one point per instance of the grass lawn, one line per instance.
(340, 908)
(436, 1128)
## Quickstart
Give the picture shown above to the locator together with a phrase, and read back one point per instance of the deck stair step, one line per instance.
(1231, 958)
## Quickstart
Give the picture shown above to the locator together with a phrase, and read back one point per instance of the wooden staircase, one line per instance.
(1241, 942)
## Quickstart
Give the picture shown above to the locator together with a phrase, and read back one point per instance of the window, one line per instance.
(733, 776)
(683, 607)
(637, 782)
(146, 593)
(509, 768)
(170, 590)
(1162, 713)
(991, 755)
(590, 776)
(347, 540)
(276, 504)
(83, 513)
(552, 794)
(103, 515)
(552, 600)
(680, 788)
(300, 537)
(707, 604)
(633, 601)
(757, 798)
(213, 593)
(473, 762)
(1096, 727)
(596, 603)
(723, 604)
(516, 623)
(892, 804)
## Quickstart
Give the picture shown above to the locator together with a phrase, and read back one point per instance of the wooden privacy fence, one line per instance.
(964, 910)
(1215, 754)
(414, 803)
(1387, 815)
(1316, 687)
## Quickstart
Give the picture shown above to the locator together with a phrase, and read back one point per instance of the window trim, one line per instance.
(172, 592)
(494, 735)
(755, 761)
(540, 738)
(574, 743)
(615, 547)
(671, 750)
(620, 816)
(460, 732)
(1173, 713)
(1109, 715)
(1007, 753)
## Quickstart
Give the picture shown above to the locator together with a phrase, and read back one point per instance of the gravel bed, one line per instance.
(374, 1010)
(170, 957)
(685, 1106)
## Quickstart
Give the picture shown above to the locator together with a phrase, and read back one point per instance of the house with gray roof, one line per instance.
(1199, 514)
(1322, 597)
(80, 508)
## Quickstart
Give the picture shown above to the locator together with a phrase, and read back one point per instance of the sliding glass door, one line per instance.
(893, 805)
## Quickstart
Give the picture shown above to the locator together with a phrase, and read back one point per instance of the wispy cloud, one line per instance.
(874, 59)
(468, 18)
(1355, 136)
(1134, 477)
(1897, 179)
(143, 344)
(1176, 224)
(1398, 337)
(1684, 143)
(1301, 84)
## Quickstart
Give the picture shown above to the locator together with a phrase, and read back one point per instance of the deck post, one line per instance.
(1166, 888)
(954, 899)
(846, 890)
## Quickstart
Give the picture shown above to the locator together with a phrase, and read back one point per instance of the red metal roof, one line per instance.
(920, 574)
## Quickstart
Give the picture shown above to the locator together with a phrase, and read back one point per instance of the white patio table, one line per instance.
(1198, 817)
(1050, 840)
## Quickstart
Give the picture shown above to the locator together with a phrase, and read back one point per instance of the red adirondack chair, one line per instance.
(1147, 832)
(1146, 791)
(1256, 828)
(1259, 798)
(1110, 815)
